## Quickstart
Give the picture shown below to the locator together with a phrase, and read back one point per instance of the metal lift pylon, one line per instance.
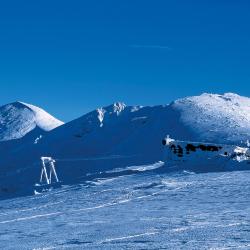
(48, 163)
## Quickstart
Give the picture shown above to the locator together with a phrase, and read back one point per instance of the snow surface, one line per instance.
(141, 210)
(116, 190)
(18, 119)
(213, 117)
(117, 136)
(125, 130)
(44, 120)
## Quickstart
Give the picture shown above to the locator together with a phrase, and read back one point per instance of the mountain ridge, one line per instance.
(119, 136)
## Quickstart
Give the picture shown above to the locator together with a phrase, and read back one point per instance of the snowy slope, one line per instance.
(121, 136)
(18, 119)
(137, 131)
(216, 118)
(114, 130)
(127, 130)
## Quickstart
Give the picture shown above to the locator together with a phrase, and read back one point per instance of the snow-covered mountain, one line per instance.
(216, 118)
(18, 119)
(117, 135)
(126, 130)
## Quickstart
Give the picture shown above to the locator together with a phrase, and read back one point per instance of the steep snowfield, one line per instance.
(18, 119)
(114, 130)
(120, 136)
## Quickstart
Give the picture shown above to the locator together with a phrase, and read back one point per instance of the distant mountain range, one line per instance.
(113, 136)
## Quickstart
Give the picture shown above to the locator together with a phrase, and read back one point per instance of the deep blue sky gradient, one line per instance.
(70, 57)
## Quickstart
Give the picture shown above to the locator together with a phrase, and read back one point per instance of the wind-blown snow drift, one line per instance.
(118, 136)
(18, 119)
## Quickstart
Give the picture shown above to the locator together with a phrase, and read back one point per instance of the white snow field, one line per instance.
(216, 118)
(140, 210)
(111, 186)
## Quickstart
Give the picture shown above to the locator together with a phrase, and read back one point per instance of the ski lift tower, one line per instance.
(48, 166)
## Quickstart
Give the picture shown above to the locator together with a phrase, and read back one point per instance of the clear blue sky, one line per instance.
(70, 57)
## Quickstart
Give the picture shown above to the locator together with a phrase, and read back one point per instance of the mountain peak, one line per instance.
(215, 116)
(19, 118)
